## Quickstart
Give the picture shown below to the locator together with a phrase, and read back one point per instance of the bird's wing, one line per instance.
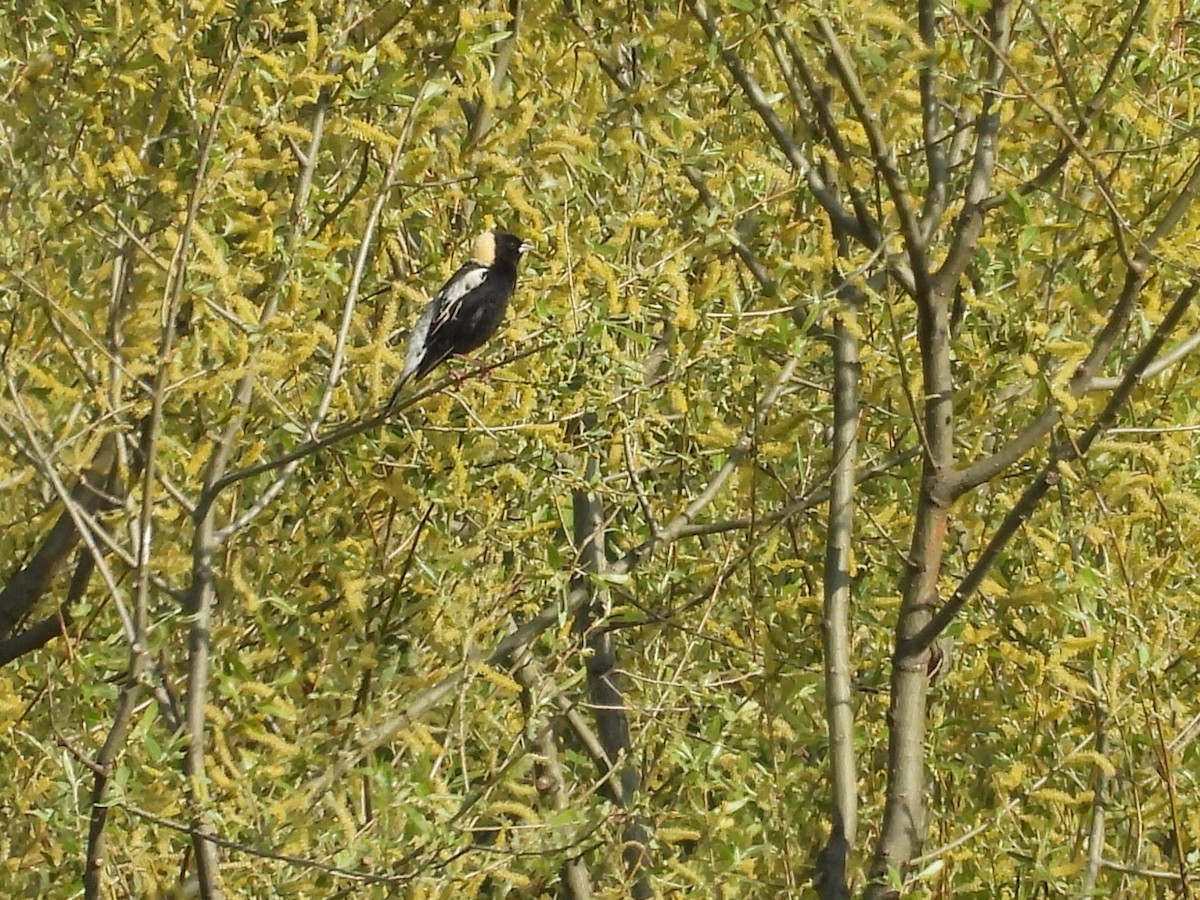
(417, 342)
(441, 309)
(449, 299)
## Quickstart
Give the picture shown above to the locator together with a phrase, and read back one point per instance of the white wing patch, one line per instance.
(417, 343)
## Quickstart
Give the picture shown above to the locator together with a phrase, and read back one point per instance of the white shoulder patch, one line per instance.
(440, 309)
(462, 284)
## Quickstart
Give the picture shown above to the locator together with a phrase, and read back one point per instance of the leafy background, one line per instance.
(283, 185)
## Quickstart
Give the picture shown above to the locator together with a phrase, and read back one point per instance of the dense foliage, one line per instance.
(215, 217)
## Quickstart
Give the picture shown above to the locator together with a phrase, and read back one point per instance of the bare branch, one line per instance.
(260, 852)
(1127, 869)
(938, 192)
(885, 160)
(969, 225)
(1062, 453)
(761, 105)
(1160, 365)
(757, 269)
(835, 623)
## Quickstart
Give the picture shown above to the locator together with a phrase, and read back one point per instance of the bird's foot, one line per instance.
(482, 371)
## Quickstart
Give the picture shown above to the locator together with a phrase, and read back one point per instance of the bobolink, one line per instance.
(469, 307)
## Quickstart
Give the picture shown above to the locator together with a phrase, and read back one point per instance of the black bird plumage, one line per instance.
(469, 307)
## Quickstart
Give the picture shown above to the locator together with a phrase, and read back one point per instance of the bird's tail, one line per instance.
(405, 378)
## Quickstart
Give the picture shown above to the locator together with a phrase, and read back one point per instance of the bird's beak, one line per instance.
(527, 247)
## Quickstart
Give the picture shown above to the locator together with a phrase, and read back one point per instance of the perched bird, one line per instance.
(469, 307)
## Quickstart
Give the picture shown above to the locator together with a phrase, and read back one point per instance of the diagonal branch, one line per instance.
(340, 433)
(48, 629)
(752, 262)
(1063, 453)
(1164, 362)
(94, 492)
(885, 160)
(737, 453)
(762, 106)
(793, 64)
(969, 225)
(1085, 376)
(82, 519)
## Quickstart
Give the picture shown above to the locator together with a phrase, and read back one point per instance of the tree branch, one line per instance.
(607, 694)
(1086, 374)
(835, 623)
(938, 192)
(762, 106)
(885, 160)
(793, 63)
(969, 225)
(1093, 107)
(98, 485)
(340, 433)
(1063, 453)
(37, 636)
(550, 779)
(83, 519)
(1160, 365)
(737, 453)
(757, 269)
(482, 116)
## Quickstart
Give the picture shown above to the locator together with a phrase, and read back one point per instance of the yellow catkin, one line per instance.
(1091, 757)
(312, 38)
(510, 877)
(372, 134)
(272, 742)
(499, 679)
(1053, 795)
(526, 814)
(341, 812)
(687, 873)
(677, 835)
